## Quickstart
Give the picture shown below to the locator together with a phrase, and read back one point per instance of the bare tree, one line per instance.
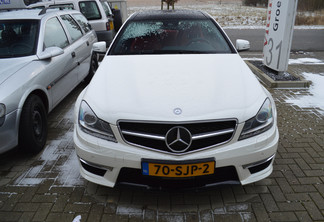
(169, 2)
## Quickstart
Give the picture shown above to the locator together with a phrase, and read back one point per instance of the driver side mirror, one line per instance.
(99, 47)
(50, 52)
(242, 45)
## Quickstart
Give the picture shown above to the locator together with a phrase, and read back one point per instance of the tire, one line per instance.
(33, 125)
(93, 67)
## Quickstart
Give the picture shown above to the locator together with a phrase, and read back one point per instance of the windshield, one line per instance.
(170, 37)
(90, 10)
(18, 38)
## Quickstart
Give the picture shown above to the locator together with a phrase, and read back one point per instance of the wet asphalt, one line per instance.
(48, 186)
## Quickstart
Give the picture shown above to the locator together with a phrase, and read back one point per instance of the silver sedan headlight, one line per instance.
(260, 123)
(91, 124)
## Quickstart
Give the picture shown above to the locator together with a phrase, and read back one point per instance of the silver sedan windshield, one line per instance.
(18, 38)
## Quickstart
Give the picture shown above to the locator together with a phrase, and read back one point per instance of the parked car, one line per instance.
(174, 104)
(44, 54)
(98, 13)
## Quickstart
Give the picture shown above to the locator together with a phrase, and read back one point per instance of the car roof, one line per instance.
(169, 14)
(32, 13)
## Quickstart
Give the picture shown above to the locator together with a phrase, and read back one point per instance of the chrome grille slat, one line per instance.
(152, 135)
(216, 133)
(144, 135)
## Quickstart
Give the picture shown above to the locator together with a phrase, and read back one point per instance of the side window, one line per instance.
(63, 6)
(54, 34)
(90, 10)
(106, 8)
(73, 27)
(83, 22)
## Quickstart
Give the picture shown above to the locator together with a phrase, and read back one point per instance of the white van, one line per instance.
(9, 4)
(98, 13)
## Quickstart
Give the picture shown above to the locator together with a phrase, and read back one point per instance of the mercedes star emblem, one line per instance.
(178, 139)
(177, 111)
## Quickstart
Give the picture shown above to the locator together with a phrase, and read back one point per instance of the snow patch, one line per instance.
(229, 16)
(69, 172)
(129, 210)
(315, 98)
(306, 61)
(77, 219)
(299, 61)
(253, 59)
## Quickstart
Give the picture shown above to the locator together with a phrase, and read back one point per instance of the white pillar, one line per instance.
(279, 31)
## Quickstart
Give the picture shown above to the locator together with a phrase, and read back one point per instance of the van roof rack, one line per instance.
(44, 10)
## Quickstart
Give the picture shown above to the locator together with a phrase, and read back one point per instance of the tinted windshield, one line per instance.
(170, 37)
(18, 38)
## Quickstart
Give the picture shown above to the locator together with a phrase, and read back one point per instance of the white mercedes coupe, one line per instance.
(174, 105)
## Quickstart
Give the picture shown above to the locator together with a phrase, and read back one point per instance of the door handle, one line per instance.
(88, 43)
(73, 54)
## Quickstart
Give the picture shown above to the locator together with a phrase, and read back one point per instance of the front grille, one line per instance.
(200, 135)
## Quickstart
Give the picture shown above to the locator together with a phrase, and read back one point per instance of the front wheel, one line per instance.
(33, 125)
(93, 67)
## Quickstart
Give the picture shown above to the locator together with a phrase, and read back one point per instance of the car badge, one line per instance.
(178, 139)
(177, 111)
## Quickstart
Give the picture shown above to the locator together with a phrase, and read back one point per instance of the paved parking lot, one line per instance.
(48, 186)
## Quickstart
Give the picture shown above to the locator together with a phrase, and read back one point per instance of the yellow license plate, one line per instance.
(178, 170)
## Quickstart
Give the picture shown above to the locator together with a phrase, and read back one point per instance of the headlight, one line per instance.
(260, 123)
(94, 126)
(2, 113)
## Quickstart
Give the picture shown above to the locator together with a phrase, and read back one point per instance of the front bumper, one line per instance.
(9, 132)
(108, 163)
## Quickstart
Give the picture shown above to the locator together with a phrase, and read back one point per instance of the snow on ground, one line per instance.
(225, 14)
(77, 219)
(315, 98)
(60, 165)
(229, 15)
(299, 61)
(308, 61)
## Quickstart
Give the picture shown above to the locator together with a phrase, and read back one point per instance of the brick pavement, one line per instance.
(48, 187)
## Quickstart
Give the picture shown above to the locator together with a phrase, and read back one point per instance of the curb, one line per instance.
(269, 82)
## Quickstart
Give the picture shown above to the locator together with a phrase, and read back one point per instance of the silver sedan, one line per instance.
(44, 54)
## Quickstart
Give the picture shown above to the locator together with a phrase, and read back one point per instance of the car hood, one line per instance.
(151, 87)
(11, 66)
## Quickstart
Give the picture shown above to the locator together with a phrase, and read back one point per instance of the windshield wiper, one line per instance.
(177, 52)
(162, 52)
